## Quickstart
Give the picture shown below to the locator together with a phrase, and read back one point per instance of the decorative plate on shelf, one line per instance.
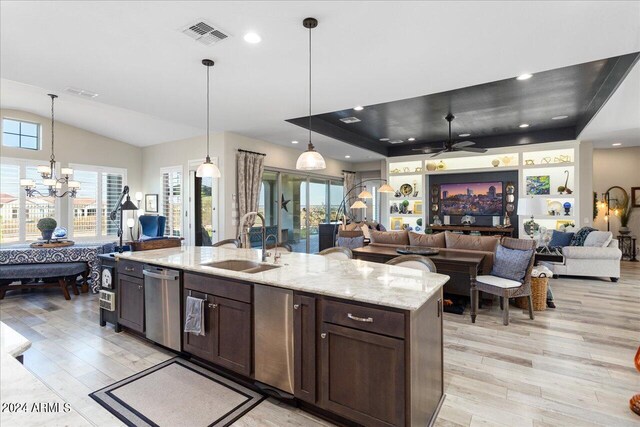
(554, 205)
(406, 189)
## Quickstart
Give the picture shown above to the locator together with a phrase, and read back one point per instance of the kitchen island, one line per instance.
(351, 340)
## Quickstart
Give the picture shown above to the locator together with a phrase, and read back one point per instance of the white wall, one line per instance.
(75, 145)
(224, 146)
(616, 166)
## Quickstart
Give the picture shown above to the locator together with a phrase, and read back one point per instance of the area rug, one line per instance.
(177, 393)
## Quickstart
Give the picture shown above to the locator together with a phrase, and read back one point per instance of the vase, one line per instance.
(46, 234)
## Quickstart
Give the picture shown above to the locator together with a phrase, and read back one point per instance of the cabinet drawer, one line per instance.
(365, 318)
(130, 268)
(217, 286)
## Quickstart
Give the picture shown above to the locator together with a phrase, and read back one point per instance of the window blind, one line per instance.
(172, 201)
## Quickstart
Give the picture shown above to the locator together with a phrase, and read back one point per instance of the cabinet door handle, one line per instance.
(323, 335)
(360, 319)
(213, 305)
(439, 307)
(139, 287)
(296, 306)
(129, 269)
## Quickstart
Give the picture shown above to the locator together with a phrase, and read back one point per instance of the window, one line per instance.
(20, 134)
(19, 214)
(100, 189)
(172, 200)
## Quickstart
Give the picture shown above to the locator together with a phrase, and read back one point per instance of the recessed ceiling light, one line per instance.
(294, 142)
(559, 117)
(384, 139)
(411, 139)
(347, 157)
(524, 76)
(252, 38)
(464, 135)
(396, 141)
(617, 144)
(358, 108)
(524, 125)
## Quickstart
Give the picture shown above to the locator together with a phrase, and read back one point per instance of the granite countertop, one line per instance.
(356, 280)
(12, 342)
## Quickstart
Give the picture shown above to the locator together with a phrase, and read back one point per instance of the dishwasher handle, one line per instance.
(159, 276)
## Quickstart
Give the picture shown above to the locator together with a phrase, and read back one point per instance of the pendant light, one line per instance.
(208, 169)
(48, 173)
(310, 160)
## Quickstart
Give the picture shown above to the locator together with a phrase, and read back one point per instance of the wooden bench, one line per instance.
(30, 276)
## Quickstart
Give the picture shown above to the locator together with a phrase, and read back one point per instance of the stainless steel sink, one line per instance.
(242, 265)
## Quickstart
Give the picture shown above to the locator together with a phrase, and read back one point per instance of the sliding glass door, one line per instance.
(294, 205)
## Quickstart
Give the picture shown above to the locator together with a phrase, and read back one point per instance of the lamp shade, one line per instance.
(208, 170)
(27, 183)
(364, 194)
(529, 206)
(66, 171)
(358, 204)
(310, 160)
(128, 205)
(46, 169)
(386, 188)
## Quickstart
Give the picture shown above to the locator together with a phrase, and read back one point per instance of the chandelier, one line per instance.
(48, 173)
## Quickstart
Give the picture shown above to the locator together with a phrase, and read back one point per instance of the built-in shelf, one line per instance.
(549, 165)
(405, 215)
(400, 199)
(406, 174)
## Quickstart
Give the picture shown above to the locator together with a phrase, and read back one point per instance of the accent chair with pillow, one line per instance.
(591, 253)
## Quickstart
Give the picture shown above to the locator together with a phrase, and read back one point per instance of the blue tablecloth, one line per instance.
(83, 251)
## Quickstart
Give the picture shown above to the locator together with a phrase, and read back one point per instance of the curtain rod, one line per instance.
(348, 171)
(252, 152)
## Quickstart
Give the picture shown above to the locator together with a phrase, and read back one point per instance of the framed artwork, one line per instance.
(396, 224)
(151, 203)
(417, 207)
(635, 197)
(540, 184)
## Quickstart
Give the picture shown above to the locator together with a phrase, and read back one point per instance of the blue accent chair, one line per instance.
(152, 226)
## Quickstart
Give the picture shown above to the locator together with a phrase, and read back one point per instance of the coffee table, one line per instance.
(462, 268)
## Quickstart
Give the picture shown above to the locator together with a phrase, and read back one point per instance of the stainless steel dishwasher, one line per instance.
(162, 306)
(273, 338)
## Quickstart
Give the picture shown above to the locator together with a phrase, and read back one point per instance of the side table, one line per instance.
(627, 244)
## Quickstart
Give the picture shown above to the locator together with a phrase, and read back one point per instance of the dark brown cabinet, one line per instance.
(130, 302)
(363, 375)
(228, 328)
(304, 350)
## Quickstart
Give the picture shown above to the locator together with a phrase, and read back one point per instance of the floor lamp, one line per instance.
(121, 206)
(364, 194)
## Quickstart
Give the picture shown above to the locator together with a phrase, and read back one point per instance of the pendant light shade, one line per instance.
(208, 169)
(310, 160)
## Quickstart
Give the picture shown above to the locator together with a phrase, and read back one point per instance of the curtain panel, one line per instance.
(249, 170)
(349, 183)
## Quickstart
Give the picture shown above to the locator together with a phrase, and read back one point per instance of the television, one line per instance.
(473, 198)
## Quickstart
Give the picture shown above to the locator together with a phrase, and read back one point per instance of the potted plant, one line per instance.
(625, 214)
(46, 227)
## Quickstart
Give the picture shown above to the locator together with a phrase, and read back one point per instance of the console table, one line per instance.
(627, 244)
(483, 230)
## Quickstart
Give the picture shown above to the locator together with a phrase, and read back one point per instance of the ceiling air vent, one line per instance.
(81, 92)
(205, 32)
(350, 120)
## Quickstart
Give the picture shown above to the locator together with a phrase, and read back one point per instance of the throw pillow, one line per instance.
(473, 243)
(350, 242)
(511, 263)
(581, 235)
(390, 237)
(366, 231)
(560, 239)
(430, 240)
(598, 239)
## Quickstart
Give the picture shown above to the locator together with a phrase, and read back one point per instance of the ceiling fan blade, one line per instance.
(463, 144)
(472, 149)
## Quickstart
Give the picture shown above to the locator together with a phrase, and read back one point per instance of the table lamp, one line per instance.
(530, 206)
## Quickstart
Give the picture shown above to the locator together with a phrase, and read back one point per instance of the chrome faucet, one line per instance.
(276, 256)
(264, 232)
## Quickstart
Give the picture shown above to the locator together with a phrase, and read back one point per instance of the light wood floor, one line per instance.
(570, 366)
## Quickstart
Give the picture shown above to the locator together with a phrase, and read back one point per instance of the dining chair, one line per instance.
(227, 243)
(507, 288)
(417, 262)
(339, 253)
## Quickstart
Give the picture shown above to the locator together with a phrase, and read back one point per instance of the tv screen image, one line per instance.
(474, 198)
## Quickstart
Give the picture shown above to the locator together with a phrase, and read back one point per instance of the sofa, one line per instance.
(445, 242)
(598, 256)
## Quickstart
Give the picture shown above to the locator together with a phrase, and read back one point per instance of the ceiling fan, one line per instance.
(450, 146)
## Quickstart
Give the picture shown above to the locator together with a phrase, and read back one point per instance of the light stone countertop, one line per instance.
(355, 280)
(29, 401)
